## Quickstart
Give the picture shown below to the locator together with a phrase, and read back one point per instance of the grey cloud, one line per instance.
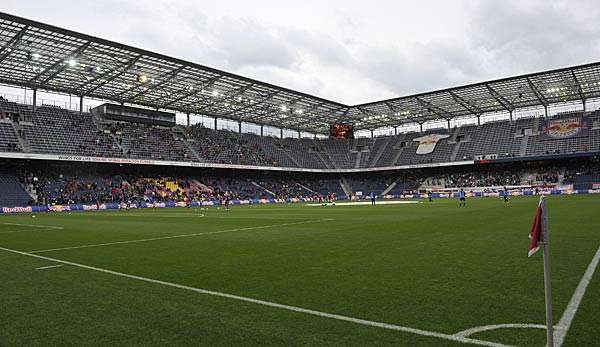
(540, 36)
(247, 43)
(419, 68)
(498, 39)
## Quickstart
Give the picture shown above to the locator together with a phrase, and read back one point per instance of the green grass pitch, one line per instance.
(429, 266)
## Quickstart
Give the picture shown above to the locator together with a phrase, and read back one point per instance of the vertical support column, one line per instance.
(299, 134)
(215, 123)
(281, 133)
(372, 134)
(239, 127)
(34, 99)
(421, 127)
(262, 130)
(81, 104)
(584, 105)
(479, 119)
(396, 131)
(511, 115)
(188, 119)
(546, 111)
(448, 123)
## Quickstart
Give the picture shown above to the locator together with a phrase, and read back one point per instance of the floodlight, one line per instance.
(142, 78)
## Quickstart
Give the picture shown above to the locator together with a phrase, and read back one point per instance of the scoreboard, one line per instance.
(341, 130)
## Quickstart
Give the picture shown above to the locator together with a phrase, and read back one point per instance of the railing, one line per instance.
(72, 105)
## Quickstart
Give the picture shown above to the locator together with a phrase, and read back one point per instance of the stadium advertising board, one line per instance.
(564, 128)
(171, 204)
(76, 158)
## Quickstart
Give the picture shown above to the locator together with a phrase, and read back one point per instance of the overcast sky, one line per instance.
(345, 50)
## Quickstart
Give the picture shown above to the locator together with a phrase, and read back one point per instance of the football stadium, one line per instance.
(194, 206)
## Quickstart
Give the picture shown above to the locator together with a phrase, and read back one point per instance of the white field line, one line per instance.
(49, 267)
(471, 331)
(37, 228)
(269, 303)
(567, 318)
(176, 236)
(33, 225)
(365, 203)
(564, 324)
(150, 215)
(182, 215)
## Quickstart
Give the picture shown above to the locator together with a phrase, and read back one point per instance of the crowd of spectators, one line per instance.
(226, 147)
(499, 177)
(58, 188)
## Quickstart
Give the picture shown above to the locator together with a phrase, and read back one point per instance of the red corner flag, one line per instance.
(537, 234)
(539, 238)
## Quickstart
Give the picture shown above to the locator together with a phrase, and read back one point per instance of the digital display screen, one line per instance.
(341, 131)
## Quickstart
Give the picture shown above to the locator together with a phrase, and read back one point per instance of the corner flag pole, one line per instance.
(547, 282)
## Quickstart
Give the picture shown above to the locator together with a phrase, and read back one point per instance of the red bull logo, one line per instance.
(564, 128)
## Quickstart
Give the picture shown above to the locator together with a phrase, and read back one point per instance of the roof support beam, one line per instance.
(378, 122)
(537, 93)
(166, 77)
(207, 84)
(314, 107)
(500, 99)
(7, 49)
(440, 112)
(57, 65)
(293, 103)
(466, 104)
(164, 80)
(105, 79)
(263, 99)
(237, 92)
(392, 108)
(578, 85)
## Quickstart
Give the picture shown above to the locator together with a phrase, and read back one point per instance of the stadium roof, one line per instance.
(40, 56)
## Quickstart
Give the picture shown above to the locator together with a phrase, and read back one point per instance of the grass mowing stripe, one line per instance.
(177, 236)
(271, 304)
(567, 318)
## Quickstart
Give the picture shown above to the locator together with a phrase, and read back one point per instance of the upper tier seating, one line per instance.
(53, 130)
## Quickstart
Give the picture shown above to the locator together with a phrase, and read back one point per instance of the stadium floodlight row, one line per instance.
(40, 56)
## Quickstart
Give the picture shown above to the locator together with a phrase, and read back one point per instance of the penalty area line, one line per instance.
(177, 236)
(269, 303)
